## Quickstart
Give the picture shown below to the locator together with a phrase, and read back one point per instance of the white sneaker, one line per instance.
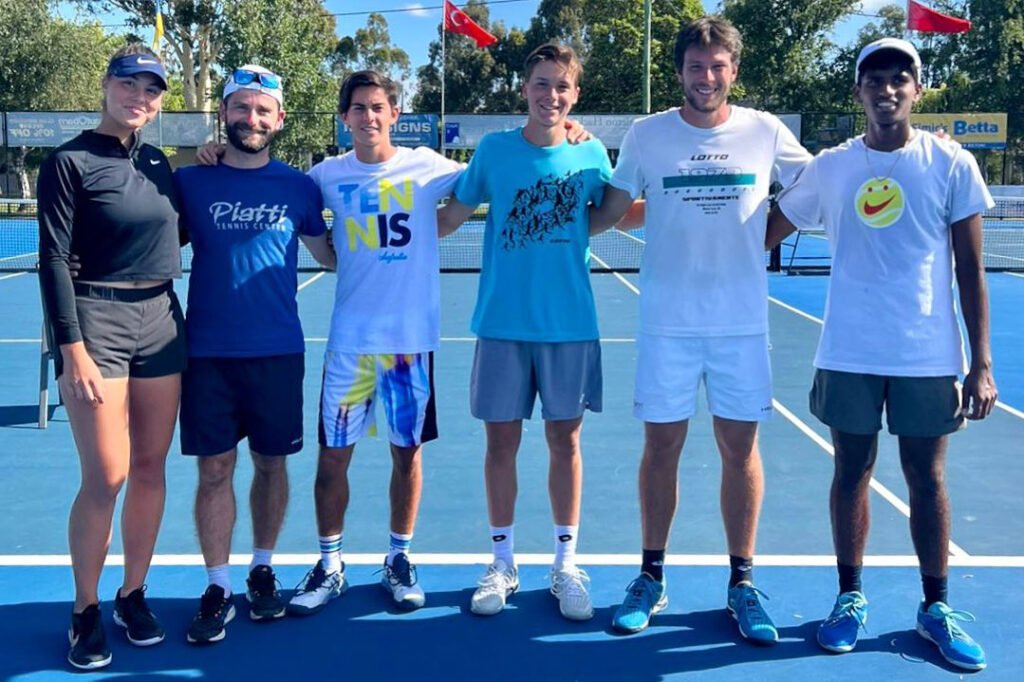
(400, 581)
(497, 584)
(569, 585)
(316, 589)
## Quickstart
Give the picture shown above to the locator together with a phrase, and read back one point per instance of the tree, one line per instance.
(371, 48)
(192, 37)
(785, 48)
(47, 63)
(614, 65)
(471, 73)
(295, 39)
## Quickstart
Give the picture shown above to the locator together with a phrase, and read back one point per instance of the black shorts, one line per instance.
(130, 332)
(224, 400)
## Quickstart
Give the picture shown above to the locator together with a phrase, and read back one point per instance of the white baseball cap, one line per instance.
(896, 44)
(255, 77)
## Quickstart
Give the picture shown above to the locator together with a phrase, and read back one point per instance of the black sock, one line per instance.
(849, 578)
(654, 563)
(935, 589)
(741, 569)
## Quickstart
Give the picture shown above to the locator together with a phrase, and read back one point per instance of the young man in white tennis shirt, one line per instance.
(705, 168)
(899, 206)
(384, 329)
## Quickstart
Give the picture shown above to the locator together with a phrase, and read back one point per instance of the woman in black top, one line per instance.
(108, 198)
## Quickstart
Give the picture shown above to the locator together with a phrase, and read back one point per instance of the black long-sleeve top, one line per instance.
(115, 208)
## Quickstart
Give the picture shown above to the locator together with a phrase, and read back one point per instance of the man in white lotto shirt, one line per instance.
(385, 328)
(706, 168)
(900, 207)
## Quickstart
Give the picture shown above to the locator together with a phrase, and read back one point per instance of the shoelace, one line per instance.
(852, 608)
(264, 584)
(572, 582)
(493, 579)
(953, 629)
(753, 606)
(639, 590)
(404, 573)
(211, 605)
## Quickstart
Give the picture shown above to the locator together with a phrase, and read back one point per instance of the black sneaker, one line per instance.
(89, 649)
(133, 614)
(215, 611)
(264, 601)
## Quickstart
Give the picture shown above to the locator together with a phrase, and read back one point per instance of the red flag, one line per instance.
(457, 21)
(921, 18)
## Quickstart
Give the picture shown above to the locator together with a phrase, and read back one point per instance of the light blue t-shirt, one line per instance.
(535, 275)
(244, 225)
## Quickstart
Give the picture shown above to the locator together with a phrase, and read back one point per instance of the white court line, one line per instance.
(20, 255)
(954, 549)
(887, 495)
(445, 559)
(1000, 404)
(618, 276)
(624, 233)
(311, 280)
(1015, 274)
(15, 274)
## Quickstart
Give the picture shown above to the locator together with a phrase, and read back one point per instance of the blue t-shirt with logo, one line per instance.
(535, 275)
(244, 226)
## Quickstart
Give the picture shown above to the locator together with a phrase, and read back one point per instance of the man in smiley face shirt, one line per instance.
(898, 205)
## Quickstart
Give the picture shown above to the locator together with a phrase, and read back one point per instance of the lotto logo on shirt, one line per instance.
(377, 217)
(879, 202)
(235, 216)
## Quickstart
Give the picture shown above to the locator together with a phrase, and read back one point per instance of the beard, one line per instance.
(248, 140)
(698, 102)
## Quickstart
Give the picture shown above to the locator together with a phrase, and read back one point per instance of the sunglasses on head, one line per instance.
(267, 80)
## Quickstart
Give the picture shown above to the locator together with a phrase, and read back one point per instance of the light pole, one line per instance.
(647, 56)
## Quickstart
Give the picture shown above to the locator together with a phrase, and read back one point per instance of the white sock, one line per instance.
(330, 553)
(565, 545)
(261, 557)
(398, 543)
(221, 576)
(501, 544)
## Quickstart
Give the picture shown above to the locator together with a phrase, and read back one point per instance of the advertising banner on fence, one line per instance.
(54, 128)
(973, 131)
(411, 130)
(464, 131)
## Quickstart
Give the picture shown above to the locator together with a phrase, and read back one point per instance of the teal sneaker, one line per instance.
(745, 606)
(939, 626)
(838, 633)
(645, 597)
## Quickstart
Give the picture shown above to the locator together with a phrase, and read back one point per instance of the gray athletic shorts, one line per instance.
(508, 375)
(130, 332)
(918, 407)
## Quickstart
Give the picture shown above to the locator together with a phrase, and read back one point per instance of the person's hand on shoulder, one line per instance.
(576, 133)
(209, 154)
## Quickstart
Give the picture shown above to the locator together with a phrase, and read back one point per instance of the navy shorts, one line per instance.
(224, 400)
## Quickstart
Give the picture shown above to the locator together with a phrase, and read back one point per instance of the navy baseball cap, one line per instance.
(132, 64)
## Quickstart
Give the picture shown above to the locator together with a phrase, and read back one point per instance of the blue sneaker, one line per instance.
(939, 625)
(745, 606)
(645, 597)
(838, 633)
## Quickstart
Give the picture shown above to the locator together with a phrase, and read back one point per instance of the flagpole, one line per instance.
(444, 20)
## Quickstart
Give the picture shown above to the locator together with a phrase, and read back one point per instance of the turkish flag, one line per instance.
(457, 21)
(921, 18)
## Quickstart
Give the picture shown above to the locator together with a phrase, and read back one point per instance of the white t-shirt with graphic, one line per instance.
(387, 298)
(703, 271)
(890, 308)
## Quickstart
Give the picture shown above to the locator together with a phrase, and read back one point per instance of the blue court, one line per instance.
(359, 636)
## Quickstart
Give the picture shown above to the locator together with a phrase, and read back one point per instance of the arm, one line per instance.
(321, 250)
(779, 227)
(81, 379)
(979, 389)
(451, 216)
(614, 206)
